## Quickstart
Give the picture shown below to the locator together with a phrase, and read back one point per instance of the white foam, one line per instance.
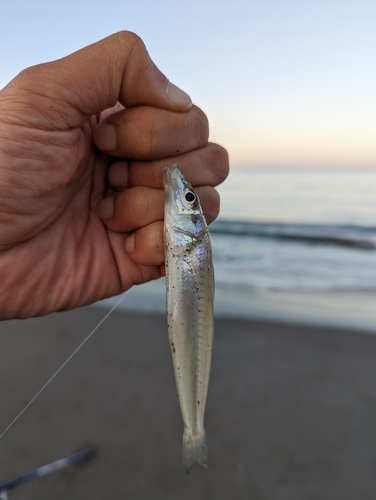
(345, 310)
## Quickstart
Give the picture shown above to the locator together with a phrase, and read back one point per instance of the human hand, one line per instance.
(63, 173)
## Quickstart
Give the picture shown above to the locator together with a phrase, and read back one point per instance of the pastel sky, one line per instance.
(283, 82)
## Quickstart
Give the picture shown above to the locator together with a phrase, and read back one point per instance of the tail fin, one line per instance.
(194, 450)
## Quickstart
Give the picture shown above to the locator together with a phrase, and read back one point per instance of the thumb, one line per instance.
(117, 68)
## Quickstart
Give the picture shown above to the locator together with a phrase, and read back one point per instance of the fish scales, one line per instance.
(190, 298)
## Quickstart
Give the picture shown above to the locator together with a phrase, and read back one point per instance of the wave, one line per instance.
(291, 286)
(350, 236)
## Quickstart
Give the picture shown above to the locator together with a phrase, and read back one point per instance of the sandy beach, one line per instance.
(291, 411)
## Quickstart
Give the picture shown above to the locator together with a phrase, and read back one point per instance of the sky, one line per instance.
(284, 83)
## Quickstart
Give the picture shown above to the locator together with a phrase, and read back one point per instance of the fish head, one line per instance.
(182, 204)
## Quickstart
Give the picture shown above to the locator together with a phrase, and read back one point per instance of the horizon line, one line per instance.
(302, 167)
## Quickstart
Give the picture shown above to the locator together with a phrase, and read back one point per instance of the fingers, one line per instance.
(140, 206)
(132, 209)
(208, 166)
(140, 209)
(146, 133)
(117, 68)
(146, 245)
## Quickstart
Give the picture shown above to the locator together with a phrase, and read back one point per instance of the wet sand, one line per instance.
(291, 413)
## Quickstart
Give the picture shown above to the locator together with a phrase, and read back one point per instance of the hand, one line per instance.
(78, 223)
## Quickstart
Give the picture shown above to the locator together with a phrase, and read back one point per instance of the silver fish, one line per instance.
(190, 303)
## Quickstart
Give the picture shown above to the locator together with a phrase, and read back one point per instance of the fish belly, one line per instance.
(190, 294)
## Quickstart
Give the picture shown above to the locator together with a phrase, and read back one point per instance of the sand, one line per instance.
(291, 411)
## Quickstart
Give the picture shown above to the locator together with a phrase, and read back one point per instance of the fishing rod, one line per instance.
(76, 458)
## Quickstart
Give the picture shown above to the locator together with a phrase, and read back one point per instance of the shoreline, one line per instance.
(350, 311)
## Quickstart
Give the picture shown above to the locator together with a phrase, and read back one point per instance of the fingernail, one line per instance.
(106, 208)
(177, 96)
(105, 137)
(130, 243)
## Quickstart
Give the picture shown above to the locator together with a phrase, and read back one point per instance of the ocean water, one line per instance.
(297, 231)
(290, 245)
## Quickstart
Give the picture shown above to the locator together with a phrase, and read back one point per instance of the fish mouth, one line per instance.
(170, 175)
(173, 180)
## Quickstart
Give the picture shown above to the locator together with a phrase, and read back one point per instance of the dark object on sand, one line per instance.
(76, 458)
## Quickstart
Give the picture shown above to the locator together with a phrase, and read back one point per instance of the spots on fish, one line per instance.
(188, 258)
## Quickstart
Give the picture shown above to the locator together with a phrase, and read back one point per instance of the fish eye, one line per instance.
(190, 197)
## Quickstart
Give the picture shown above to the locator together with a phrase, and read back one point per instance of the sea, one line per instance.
(293, 245)
(297, 231)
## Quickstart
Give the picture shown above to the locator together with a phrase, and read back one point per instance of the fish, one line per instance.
(190, 307)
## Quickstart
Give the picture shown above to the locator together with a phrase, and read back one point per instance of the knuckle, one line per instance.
(134, 46)
(141, 204)
(202, 124)
(129, 46)
(27, 74)
(219, 157)
(128, 38)
(140, 134)
(143, 147)
(28, 80)
(152, 173)
(210, 201)
(136, 203)
(215, 204)
(149, 244)
(157, 241)
(147, 173)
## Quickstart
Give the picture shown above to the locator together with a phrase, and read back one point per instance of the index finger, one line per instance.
(208, 166)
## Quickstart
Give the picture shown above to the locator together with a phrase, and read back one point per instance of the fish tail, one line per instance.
(194, 449)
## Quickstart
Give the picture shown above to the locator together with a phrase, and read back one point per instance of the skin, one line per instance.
(78, 222)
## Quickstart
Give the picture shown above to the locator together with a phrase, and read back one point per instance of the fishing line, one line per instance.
(64, 364)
